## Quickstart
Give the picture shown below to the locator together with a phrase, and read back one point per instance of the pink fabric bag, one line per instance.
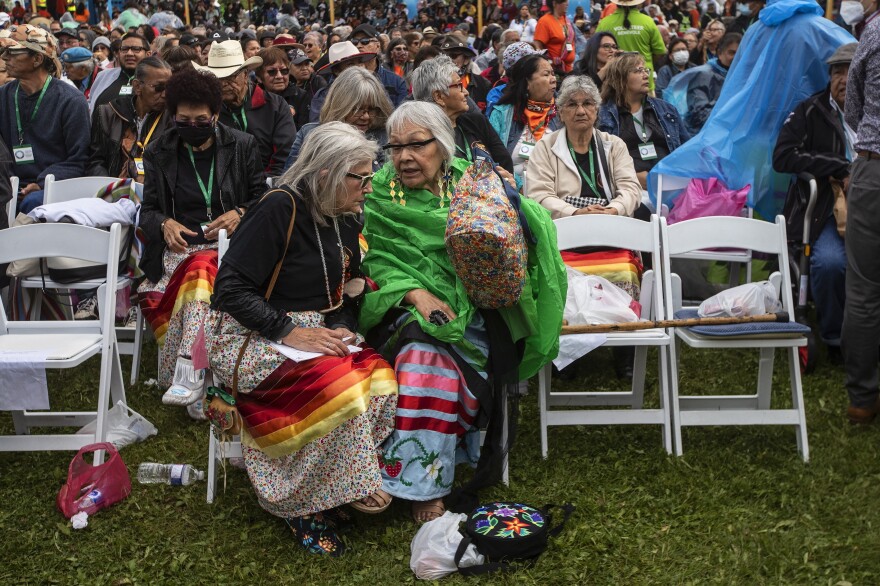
(707, 197)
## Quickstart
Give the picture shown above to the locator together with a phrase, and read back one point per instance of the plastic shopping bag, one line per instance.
(91, 488)
(707, 197)
(594, 300)
(125, 426)
(433, 548)
(742, 301)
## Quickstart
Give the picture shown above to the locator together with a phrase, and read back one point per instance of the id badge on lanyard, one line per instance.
(23, 154)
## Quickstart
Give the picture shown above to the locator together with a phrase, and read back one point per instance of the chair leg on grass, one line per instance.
(765, 377)
(797, 402)
(638, 380)
(543, 396)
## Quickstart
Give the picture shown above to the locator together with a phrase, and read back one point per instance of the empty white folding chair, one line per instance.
(737, 409)
(631, 234)
(130, 340)
(64, 344)
(667, 185)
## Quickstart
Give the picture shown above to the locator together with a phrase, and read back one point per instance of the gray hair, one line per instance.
(432, 75)
(329, 152)
(88, 64)
(352, 89)
(575, 84)
(429, 116)
(344, 31)
(319, 38)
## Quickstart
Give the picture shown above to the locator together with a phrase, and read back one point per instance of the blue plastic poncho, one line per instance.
(780, 63)
(694, 93)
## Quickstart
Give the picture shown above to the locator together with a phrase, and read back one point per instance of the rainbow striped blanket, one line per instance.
(303, 401)
(621, 267)
(193, 280)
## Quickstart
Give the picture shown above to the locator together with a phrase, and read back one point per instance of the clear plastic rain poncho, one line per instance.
(779, 64)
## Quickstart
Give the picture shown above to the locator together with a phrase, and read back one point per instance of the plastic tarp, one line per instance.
(780, 63)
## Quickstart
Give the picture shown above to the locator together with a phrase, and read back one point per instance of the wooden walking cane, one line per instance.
(781, 317)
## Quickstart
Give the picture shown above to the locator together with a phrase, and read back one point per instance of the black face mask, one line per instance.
(195, 135)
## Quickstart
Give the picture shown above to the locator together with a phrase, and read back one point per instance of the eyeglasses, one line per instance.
(716, 29)
(459, 85)
(400, 48)
(131, 49)
(364, 179)
(14, 52)
(612, 46)
(362, 41)
(197, 123)
(156, 87)
(309, 45)
(416, 146)
(575, 106)
(275, 71)
(372, 111)
(641, 71)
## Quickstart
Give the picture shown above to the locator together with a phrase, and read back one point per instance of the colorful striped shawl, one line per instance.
(303, 401)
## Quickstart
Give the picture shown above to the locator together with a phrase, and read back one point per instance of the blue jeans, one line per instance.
(828, 281)
(32, 200)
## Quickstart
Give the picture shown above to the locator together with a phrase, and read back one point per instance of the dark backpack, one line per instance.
(510, 535)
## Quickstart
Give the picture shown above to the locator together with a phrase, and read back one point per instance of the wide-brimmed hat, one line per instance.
(429, 31)
(345, 52)
(628, 2)
(451, 47)
(227, 58)
(843, 54)
(287, 41)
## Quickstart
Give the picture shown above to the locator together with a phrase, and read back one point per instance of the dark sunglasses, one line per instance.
(416, 146)
(364, 179)
(194, 123)
(362, 41)
(276, 70)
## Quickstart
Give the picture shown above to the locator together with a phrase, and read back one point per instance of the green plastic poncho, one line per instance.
(407, 251)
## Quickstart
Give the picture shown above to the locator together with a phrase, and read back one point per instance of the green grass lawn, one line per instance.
(739, 508)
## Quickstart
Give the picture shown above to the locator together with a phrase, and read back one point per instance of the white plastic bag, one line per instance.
(124, 429)
(594, 300)
(433, 548)
(742, 301)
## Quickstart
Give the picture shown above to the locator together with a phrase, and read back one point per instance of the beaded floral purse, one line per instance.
(484, 237)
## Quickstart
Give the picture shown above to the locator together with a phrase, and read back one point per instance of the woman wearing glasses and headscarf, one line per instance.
(199, 177)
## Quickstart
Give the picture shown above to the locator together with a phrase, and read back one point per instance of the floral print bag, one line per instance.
(509, 535)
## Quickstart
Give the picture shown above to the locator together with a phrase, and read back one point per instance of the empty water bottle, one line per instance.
(173, 474)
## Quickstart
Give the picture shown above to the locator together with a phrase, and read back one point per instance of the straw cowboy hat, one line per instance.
(345, 52)
(226, 59)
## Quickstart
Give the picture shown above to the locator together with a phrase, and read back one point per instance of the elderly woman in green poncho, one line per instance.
(450, 357)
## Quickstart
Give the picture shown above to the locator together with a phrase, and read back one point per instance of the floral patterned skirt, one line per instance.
(341, 464)
(434, 428)
(183, 321)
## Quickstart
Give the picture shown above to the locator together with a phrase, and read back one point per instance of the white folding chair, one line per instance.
(130, 340)
(219, 451)
(669, 184)
(66, 344)
(728, 409)
(12, 204)
(631, 234)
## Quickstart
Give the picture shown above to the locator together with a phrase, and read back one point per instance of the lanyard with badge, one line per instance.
(126, 90)
(646, 149)
(591, 179)
(139, 161)
(206, 191)
(24, 153)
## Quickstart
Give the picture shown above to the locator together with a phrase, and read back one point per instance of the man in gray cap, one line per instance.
(861, 321)
(816, 139)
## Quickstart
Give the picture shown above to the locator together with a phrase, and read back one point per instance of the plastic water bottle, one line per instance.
(173, 474)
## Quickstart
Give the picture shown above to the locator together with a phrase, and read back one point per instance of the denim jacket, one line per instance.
(670, 121)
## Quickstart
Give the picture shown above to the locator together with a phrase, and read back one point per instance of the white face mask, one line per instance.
(852, 12)
(744, 9)
(680, 57)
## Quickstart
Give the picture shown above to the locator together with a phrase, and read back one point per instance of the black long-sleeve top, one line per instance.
(257, 246)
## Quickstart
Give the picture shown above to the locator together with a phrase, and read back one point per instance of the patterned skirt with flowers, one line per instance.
(434, 429)
(312, 430)
(176, 305)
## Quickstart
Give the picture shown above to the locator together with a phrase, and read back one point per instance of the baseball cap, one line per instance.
(298, 56)
(365, 29)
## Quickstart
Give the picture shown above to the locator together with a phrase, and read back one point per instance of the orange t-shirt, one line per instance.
(555, 35)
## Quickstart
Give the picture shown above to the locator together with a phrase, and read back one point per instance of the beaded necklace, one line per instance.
(330, 303)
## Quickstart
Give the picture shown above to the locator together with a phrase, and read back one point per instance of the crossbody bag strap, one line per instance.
(272, 282)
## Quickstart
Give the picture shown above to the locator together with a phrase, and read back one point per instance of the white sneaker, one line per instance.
(87, 309)
(188, 384)
(130, 319)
